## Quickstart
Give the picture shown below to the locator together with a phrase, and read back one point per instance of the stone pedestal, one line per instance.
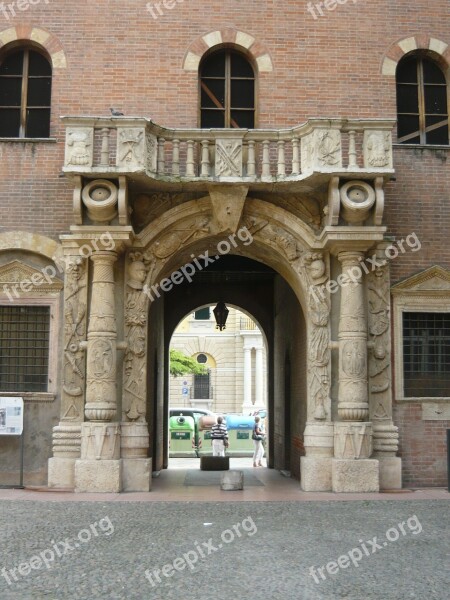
(352, 440)
(61, 472)
(315, 467)
(355, 475)
(134, 440)
(390, 473)
(136, 474)
(319, 439)
(100, 467)
(98, 476)
(315, 473)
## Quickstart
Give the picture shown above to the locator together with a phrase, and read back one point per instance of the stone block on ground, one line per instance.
(232, 480)
(61, 473)
(315, 473)
(390, 473)
(137, 474)
(214, 463)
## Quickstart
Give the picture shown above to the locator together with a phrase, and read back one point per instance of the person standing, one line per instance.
(219, 437)
(258, 437)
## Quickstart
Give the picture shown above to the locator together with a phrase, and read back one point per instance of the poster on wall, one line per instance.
(11, 415)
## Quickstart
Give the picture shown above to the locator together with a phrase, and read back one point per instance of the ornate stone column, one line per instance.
(315, 467)
(353, 402)
(137, 467)
(352, 468)
(67, 435)
(100, 467)
(385, 433)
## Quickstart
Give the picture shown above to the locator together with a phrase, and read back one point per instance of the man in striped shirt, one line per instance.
(219, 434)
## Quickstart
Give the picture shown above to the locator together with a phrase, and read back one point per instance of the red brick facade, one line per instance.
(117, 54)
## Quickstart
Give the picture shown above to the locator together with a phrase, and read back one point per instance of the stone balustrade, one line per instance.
(128, 145)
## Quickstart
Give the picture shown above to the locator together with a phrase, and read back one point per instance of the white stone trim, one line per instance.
(244, 39)
(212, 39)
(389, 66)
(408, 44)
(191, 62)
(437, 46)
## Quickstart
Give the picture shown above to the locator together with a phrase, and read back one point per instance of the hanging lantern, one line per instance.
(221, 314)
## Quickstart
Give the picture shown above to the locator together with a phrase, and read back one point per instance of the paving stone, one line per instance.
(249, 549)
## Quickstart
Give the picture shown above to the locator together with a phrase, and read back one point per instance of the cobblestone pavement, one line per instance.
(225, 550)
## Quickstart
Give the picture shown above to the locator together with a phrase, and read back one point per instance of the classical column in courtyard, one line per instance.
(100, 468)
(247, 379)
(259, 378)
(353, 404)
(352, 468)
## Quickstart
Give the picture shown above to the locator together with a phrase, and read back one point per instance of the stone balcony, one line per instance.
(296, 159)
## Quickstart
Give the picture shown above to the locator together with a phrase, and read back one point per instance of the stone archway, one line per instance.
(344, 449)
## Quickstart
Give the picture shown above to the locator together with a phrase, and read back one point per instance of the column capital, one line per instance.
(351, 257)
(104, 256)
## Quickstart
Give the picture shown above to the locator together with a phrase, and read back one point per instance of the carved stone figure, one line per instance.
(136, 307)
(318, 347)
(79, 147)
(377, 148)
(379, 357)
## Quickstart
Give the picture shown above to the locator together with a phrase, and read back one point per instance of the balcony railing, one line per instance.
(246, 324)
(128, 145)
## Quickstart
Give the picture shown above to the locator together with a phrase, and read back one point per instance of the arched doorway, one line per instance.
(264, 295)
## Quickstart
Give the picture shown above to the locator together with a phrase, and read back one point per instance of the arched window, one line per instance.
(227, 91)
(25, 93)
(422, 103)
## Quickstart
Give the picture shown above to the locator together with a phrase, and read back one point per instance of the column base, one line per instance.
(390, 472)
(315, 474)
(349, 475)
(137, 474)
(61, 472)
(98, 476)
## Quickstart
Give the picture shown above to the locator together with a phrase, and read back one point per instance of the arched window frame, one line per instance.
(25, 82)
(420, 57)
(228, 50)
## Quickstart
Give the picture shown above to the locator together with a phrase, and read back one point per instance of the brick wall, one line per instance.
(119, 55)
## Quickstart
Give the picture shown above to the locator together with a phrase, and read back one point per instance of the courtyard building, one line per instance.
(290, 162)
